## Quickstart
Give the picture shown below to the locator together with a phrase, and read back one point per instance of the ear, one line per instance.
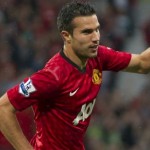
(66, 36)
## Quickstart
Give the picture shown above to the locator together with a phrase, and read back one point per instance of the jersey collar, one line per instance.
(71, 62)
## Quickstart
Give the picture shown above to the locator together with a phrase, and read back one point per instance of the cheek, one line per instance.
(81, 41)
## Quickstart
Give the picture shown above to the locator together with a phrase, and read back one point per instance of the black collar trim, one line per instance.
(71, 62)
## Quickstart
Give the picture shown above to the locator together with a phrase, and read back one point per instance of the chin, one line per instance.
(93, 55)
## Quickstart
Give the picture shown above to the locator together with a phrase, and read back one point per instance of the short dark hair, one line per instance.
(70, 11)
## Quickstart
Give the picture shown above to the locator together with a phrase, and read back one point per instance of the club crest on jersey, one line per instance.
(26, 88)
(96, 77)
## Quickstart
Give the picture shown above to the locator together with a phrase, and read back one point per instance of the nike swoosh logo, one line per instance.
(74, 92)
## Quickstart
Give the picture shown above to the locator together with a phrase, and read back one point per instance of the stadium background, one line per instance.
(29, 37)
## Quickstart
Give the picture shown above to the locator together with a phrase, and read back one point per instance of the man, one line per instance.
(64, 92)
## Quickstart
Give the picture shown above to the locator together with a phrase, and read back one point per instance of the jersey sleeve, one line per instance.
(113, 60)
(40, 86)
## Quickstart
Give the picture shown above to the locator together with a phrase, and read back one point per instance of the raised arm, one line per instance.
(140, 63)
(10, 127)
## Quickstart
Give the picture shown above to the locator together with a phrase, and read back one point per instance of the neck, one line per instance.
(81, 62)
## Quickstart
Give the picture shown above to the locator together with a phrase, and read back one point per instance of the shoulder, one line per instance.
(57, 66)
(104, 49)
(55, 63)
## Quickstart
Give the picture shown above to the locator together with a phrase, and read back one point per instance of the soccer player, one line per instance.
(63, 93)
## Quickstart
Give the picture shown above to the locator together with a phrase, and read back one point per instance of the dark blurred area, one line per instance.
(29, 38)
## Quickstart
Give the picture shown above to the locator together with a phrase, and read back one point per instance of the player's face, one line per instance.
(86, 36)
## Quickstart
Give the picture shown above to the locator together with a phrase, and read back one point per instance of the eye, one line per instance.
(87, 31)
(98, 29)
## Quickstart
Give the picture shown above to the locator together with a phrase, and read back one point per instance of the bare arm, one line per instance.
(10, 127)
(140, 63)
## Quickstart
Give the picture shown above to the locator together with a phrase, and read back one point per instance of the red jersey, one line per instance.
(63, 97)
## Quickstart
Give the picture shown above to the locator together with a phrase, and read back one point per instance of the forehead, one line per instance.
(83, 22)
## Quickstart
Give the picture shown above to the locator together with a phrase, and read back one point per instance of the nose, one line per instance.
(96, 36)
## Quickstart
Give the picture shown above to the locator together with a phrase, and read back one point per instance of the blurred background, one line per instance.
(29, 38)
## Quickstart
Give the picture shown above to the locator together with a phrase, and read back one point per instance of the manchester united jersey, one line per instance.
(63, 97)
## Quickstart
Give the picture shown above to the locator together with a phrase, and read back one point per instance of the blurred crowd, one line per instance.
(29, 38)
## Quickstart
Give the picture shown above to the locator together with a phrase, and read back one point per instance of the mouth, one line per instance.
(94, 47)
